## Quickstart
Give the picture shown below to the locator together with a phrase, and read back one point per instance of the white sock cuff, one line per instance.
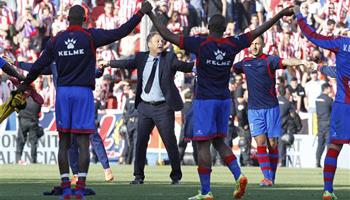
(82, 174)
(65, 175)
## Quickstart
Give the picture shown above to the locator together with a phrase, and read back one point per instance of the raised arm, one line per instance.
(121, 64)
(103, 37)
(182, 66)
(163, 31)
(331, 43)
(265, 26)
(27, 66)
(289, 62)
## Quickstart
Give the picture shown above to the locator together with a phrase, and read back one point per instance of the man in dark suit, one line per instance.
(156, 100)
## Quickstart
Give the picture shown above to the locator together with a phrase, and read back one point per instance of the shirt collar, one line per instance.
(75, 28)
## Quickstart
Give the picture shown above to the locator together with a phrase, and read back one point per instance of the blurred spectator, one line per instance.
(174, 23)
(181, 7)
(45, 21)
(40, 7)
(291, 124)
(124, 9)
(27, 25)
(23, 5)
(297, 95)
(214, 7)
(130, 119)
(107, 20)
(323, 109)
(312, 91)
(24, 53)
(28, 121)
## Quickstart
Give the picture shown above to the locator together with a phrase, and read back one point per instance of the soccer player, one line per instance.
(339, 132)
(73, 50)
(95, 139)
(263, 108)
(211, 105)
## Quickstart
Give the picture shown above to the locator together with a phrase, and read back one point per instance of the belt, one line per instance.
(154, 103)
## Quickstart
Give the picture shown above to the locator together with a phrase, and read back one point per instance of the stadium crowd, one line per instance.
(26, 26)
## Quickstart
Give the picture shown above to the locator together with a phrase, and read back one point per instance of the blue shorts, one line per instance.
(265, 121)
(339, 132)
(210, 118)
(75, 110)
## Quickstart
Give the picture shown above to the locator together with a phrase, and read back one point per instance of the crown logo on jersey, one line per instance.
(219, 54)
(70, 43)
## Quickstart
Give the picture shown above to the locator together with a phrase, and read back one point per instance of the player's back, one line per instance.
(215, 61)
(215, 57)
(74, 53)
(343, 71)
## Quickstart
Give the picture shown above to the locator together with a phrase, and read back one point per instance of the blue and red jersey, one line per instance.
(73, 50)
(341, 47)
(214, 61)
(261, 81)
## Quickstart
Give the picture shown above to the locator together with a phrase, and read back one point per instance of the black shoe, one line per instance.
(175, 182)
(318, 165)
(136, 182)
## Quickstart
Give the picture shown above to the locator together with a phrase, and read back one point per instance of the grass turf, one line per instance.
(28, 182)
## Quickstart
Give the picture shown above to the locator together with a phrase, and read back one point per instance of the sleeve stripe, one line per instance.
(309, 32)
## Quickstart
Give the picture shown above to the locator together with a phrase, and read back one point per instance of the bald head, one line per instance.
(76, 15)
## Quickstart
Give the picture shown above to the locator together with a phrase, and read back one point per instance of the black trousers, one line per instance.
(132, 138)
(31, 130)
(163, 118)
(323, 132)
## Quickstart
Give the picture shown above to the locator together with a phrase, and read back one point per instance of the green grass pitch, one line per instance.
(28, 183)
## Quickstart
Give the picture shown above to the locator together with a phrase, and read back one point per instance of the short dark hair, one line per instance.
(325, 86)
(151, 35)
(294, 79)
(331, 22)
(262, 38)
(217, 24)
(76, 14)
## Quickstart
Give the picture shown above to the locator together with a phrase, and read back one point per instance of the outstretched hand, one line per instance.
(288, 11)
(296, 9)
(9, 60)
(146, 7)
(21, 88)
(103, 63)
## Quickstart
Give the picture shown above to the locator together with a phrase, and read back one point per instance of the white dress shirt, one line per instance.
(156, 93)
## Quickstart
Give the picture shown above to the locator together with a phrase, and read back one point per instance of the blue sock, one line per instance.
(204, 176)
(231, 162)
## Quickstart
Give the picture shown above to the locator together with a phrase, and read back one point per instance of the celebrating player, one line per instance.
(263, 108)
(215, 56)
(339, 133)
(73, 50)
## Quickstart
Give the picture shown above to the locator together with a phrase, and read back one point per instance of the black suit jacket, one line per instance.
(168, 65)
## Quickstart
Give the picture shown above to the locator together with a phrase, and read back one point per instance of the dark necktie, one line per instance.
(151, 76)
